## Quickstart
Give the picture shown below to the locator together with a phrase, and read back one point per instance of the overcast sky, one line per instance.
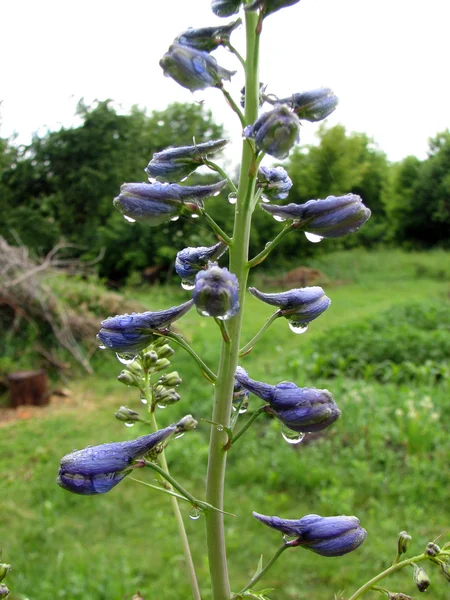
(387, 61)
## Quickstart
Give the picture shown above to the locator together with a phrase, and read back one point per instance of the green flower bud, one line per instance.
(432, 549)
(421, 578)
(398, 596)
(127, 415)
(166, 397)
(165, 351)
(128, 378)
(187, 423)
(160, 340)
(149, 359)
(4, 591)
(161, 364)
(170, 379)
(403, 542)
(4, 570)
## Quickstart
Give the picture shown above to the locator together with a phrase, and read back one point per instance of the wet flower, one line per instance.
(158, 202)
(327, 536)
(303, 410)
(97, 469)
(127, 415)
(314, 105)
(299, 306)
(132, 333)
(216, 293)
(191, 260)
(421, 578)
(4, 591)
(275, 183)
(175, 164)
(333, 217)
(193, 69)
(225, 8)
(275, 132)
(403, 542)
(208, 38)
(270, 6)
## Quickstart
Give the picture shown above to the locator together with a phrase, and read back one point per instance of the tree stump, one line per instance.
(28, 387)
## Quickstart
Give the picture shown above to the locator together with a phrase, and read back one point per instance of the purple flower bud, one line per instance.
(216, 293)
(225, 8)
(275, 183)
(174, 164)
(314, 105)
(327, 536)
(193, 69)
(300, 306)
(304, 410)
(132, 333)
(333, 217)
(191, 260)
(157, 202)
(4, 591)
(275, 132)
(270, 6)
(208, 38)
(97, 469)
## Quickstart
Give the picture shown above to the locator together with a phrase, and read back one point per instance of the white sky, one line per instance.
(387, 61)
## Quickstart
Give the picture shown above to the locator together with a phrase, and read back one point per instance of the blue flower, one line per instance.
(216, 293)
(327, 536)
(299, 306)
(333, 217)
(193, 69)
(275, 183)
(275, 132)
(191, 260)
(97, 469)
(225, 8)
(304, 410)
(132, 333)
(158, 202)
(175, 164)
(208, 38)
(314, 105)
(270, 6)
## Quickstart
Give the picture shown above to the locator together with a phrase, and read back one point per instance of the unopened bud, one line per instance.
(432, 549)
(398, 596)
(421, 578)
(170, 379)
(165, 351)
(4, 570)
(127, 415)
(445, 566)
(403, 542)
(149, 359)
(187, 423)
(161, 364)
(128, 378)
(166, 396)
(216, 293)
(4, 591)
(160, 340)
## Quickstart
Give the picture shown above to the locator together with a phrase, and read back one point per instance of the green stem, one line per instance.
(178, 339)
(215, 481)
(233, 105)
(212, 165)
(233, 50)
(175, 507)
(159, 489)
(255, 579)
(269, 247)
(392, 569)
(223, 330)
(250, 421)
(248, 347)
(216, 228)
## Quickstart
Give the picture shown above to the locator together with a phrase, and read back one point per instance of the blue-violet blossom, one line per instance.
(275, 132)
(333, 217)
(314, 105)
(208, 38)
(216, 293)
(274, 182)
(225, 8)
(191, 260)
(305, 410)
(327, 536)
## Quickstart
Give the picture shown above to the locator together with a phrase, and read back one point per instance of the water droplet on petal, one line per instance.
(175, 218)
(144, 400)
(194, 513)
(242, 409)
(195, 216)
(102, 347)
(204, 313)
(290, 436)
(129, 424)
(178, 435)
(126, 359)
(312, 237)
(265, 200)
(279, 219)
(232, 198)
(298, 327)
(129, 219)
(161, 406)
(187, 285)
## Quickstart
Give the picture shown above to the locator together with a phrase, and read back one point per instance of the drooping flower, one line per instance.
(333, 217)
(314, 105)
(208, 38)
(274, 182)
(270, 6)
(132, 333)
(156, 203)
(275, 132)
(225, 8)
(191, 260)
(327, 536)
(97, 469)
(304, 410)
(175, 164)
(193, 69)
(216, 293)
(299, 306)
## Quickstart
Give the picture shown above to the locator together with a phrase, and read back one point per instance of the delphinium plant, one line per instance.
(143, 342)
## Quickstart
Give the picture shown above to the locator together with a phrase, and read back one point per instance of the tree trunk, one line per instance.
(28, 387)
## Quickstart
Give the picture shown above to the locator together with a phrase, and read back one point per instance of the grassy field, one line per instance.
(385, 460)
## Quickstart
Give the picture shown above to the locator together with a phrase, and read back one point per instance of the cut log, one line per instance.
(28, 387)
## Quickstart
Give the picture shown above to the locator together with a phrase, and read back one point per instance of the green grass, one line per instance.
(385, 461)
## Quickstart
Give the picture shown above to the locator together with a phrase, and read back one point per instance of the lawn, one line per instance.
(385, 460)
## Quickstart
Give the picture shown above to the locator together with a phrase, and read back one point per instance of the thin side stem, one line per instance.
(178, 339)
(233, 105)
(233, 50)
(248, 424)
(249, 347)
(224, 237)
(212, 165)
(270, 246)
(255, 579)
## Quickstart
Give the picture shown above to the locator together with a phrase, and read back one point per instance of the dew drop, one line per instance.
(232, 198)
(242, 409)
(187, 285)
(204, 313)
(144, 400)
(312, 237)
(219, 427)
(129, 424)
(102, 347)
(279, 219)
(265, 200)
(129, 219)
(179, 435)
(161, 406)
(194, 513)
(298, 327)
(195, 216)
(175, 218)
(290, 436)
(126, 359)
